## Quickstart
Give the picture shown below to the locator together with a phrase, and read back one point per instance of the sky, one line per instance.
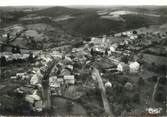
(80, 2)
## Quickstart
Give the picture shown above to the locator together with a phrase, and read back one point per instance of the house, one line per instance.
(60, 80)
(134, 67)
(124, 34)
(33, 97)
(17, 28)
(4, 36)
(96, 40)
(43, 68)
(56, 54)
(13, 77)
(126, 42)
(102, 41)
(36, 78)
(67, 58)
(54, 71)
(38, 106)
(122, 67)
(25, 77)
(69, 79)
(8, 57)
(129, 33)
(65, 72)
(20, 75)
(108, 84)
(113, 47)
(132, 37)
(70, 67)
(117, 35)
(16, 56)
(53, 82)
(25, 56)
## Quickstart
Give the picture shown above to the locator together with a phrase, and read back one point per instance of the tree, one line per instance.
(140, 81)
(8, 38)
(78, 44)
(30, 58)
(134, 32)
(3, 61)
(136, 98)
(160, 96)
(18, 49)
(162, 80)
(153, 78)
(87, 39)
(2, 48)
(106, 52)
(125, 59)
(92, 52)
(13, 50)
(69, 106)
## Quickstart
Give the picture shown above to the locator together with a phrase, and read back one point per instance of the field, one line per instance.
(158, 60)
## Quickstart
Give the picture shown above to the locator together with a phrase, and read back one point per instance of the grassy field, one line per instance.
(158, 60)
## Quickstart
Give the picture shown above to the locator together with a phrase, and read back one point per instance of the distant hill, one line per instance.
(162, 11)
(92, 25)
(87, 22)
(59, 11)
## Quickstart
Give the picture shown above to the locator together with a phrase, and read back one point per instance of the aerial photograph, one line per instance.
(83, 58)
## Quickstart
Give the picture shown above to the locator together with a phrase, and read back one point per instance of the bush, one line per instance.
(118, 89)
(117, 108)
(160, 97)
(161, 88)
(162, 80)
(136, 98)
(123, 80)
(153, 78)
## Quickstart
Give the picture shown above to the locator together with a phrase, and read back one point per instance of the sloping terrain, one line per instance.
(88, 22)
(60, 11)
(71, 24)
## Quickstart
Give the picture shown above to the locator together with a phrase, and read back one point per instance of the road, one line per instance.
(46, 94)
(155, 90)
(106, 105)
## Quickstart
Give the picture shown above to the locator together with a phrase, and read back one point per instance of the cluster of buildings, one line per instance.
(9, 56)
(131, 41)
(113, 51)
(132, 67)
(65, 67)
(61, 76)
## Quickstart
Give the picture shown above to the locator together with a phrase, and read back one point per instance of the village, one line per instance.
(115, 66)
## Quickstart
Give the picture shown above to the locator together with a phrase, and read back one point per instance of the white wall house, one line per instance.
(122, 67)
(134, 67)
